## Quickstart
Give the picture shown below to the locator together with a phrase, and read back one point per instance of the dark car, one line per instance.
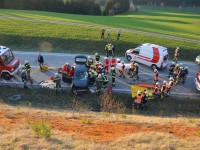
(80, 78)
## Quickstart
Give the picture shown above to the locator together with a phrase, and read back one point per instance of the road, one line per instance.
(56, 60)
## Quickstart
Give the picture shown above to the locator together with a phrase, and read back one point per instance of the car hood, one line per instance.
(80, 82)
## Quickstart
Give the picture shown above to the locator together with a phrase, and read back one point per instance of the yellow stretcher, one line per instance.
(136, 88)
(44, 68)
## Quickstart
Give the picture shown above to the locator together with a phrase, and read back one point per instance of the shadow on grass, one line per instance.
(47, 99)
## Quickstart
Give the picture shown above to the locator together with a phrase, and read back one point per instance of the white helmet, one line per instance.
(23, 71)
(177, 48)
(186, 67)
(122, 62)
(173, 62)
(118, 59)
(105, 57)
(181, 64)
(112, 68)
(67, 63)
(155, 70)
(136, 64)
(146, 93)
(164, 82)
(157, 83)
(89, 57)
(131, 60)
(171, 78)
(56, 74)
(102, 74)
(99, 76)
(138, 92)
(26, 61)
(96, 53)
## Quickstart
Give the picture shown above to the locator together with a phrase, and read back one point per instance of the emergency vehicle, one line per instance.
(148, 54)
(9, 64)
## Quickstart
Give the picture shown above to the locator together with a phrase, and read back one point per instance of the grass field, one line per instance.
(166, 124)
(59, 37)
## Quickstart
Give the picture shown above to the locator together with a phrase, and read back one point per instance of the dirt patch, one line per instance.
(98, 131)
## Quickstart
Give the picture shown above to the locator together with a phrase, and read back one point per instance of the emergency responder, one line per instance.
(105, 80)
(57, 81)
(138, 100)
(109, 49)
(40, 60)
(178, 77)
(136, 71)
(65, 69)
(176, 71)
(99, 83)
(112, 62)
(171, 69)
(122, 70)
(176, 55)
(131, 69)
(156, 92)
(164, 89)
(156, 76)
(71, 72)
(106, 64)
(27, 68)
(91, 76)
(24, 79)
(184, 74)
(144, 99)
(170, 85)
(102, 70)
(97, 58)
(118, 60)
(113, 73)
(89, 62)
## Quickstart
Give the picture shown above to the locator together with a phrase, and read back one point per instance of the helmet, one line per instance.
(102, 74)
(157, 84)
(96, 54)
(136, 64)
(112, 68)
(186, 67)
(164, 82)
(173, 63)
(118, 60)
(181, 64)
(155, 70)
(177, 65)
(67, 63)
(138, 92)
(56, 74)
(122, 62)
(170, 78)
(100, 63)
(131, 60)
(89, 57)
(181, 68)
(177, 48)
(105, 57)
(26, 61)
(99, 76)
(23, 71)
(146, 93)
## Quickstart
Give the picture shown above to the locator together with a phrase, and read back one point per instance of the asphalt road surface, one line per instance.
(56, 60)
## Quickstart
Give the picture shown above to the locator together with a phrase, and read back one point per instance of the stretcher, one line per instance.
(44, 68)
(136, 88)
(47, 84)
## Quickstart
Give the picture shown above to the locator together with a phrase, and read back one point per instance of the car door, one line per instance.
(135, 55)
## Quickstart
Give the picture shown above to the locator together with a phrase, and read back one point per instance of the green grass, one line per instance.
(54, 37)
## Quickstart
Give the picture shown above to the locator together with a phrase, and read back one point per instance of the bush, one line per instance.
(42, 129)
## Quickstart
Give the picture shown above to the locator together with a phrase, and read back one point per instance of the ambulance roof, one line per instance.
(161, 48)
(3, 49)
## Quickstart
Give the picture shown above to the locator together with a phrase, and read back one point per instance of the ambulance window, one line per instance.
(7, 57)
(165, 58)
(136, 51)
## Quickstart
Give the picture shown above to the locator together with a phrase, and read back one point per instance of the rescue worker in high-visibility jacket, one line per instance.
(176, 55)
(138, 100)
(184, 74)
(97, 58)
(113, 73)
(156, 89)
(106, 64)
(57, 81)
(122, 70)
(24, 79)
(27, 68)
(105, 80)
(156, 75)
(131, 69)
(89, 62)
(109, 49)
(170, 85)
(171, 69)
(164, 88)
(112, 62)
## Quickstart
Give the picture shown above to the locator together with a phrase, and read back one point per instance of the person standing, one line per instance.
(40, 60)
(122, 69)
(27, 68)
(176, 55)
(136, 71)
(108, 34)
(131, 69)
(57, 81)
(24, 79)
(102, 33)
(156, 76)
(106, 64)
(118, 34)
(171, 69)
(105, 80)
(113, 76)
(97, 58)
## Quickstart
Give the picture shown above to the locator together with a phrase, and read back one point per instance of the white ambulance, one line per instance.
(148, 54)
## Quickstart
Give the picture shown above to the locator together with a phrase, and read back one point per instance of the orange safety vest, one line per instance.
(157, 90)
(171, 83)
(112, 62)
(176, 53)
(156, 76)
(138, 99)
(132, 66)
(164, 88)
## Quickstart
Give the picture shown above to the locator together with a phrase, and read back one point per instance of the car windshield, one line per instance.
(80, 60)
(7, 57)
(81, 75)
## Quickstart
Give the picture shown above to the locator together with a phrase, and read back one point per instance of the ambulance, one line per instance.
(148, 54)
(9, 64)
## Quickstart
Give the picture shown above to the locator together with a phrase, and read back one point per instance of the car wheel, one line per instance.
(128, 58)
(153, 67)
(7, 76)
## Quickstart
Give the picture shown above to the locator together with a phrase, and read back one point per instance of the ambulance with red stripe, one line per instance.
(148, 54)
